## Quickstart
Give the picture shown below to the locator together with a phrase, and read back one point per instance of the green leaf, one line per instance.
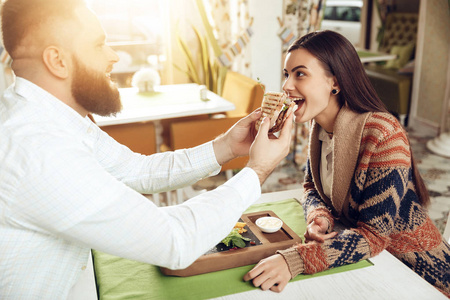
(235, 239)
(237, 242)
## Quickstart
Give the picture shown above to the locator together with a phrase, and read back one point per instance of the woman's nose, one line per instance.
(287, 86)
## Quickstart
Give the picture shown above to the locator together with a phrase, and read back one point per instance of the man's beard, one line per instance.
(94, 91)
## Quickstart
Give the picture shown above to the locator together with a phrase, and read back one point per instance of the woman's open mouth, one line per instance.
(297, 100)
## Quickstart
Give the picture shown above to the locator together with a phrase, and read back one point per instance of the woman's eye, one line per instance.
(286, 75)
(299, 74)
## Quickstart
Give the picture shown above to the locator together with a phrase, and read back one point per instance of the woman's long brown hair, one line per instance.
(356, 91)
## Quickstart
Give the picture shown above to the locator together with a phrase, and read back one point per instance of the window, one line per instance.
(344, 18)
(130, 20)
(342, 13)
(135, 30)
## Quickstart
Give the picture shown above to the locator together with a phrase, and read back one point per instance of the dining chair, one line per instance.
(245, 93)
(139, 137)
(391, 83)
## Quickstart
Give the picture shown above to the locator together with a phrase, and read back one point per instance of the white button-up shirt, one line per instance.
(67, 187)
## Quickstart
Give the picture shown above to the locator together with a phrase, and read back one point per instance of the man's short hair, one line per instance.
(21, 17)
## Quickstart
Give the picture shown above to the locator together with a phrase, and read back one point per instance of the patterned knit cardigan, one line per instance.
(372, 192)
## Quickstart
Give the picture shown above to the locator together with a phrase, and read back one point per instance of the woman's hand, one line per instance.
(317, 231)
(271, 273)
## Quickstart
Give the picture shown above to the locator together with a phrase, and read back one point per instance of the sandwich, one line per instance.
(277, 107)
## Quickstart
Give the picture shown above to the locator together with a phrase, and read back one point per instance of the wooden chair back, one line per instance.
(194, 133)
(245, 93)
(139, 137)
(400, 29)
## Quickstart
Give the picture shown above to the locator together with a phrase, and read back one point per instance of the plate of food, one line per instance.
(245, 245)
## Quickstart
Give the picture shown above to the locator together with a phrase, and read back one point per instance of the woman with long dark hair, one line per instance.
(360, 171)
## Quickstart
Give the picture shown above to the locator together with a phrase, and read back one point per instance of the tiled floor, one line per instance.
(434, 169)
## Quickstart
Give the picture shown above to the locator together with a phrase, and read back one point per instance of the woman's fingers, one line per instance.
(270, 273)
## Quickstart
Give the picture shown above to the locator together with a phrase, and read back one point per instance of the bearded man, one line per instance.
(67, 187)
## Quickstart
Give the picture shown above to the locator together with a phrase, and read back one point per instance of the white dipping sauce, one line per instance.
(269, 222)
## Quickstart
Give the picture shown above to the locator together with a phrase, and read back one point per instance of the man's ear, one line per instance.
(56, 61)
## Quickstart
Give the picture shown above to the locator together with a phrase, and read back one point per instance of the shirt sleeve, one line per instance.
(76, 199)
(155, 173)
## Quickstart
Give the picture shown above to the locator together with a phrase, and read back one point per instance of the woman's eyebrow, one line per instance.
(298, 67)
(295, 68)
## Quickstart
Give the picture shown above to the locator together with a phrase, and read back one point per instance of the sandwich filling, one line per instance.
(277, 106)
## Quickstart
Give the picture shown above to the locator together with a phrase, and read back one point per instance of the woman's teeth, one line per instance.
(297, 100)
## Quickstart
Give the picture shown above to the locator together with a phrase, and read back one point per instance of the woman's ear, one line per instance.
(335, 84)
(56, 62)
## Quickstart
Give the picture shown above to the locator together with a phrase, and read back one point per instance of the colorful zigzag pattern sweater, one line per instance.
(373, 194)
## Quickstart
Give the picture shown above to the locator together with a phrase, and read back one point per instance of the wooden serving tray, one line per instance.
(270, 242)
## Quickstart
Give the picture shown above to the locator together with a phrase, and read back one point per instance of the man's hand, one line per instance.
(237, 140)
(317, 231)
(270, 273)
(267, 151)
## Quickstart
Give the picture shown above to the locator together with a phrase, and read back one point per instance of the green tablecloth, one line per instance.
(119, 278)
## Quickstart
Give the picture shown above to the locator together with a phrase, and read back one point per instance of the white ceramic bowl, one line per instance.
(269, 224)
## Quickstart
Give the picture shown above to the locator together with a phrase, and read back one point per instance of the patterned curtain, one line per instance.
(299, 18)
(231, 23)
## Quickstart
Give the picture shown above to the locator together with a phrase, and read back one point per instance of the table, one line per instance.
(387, 278)
(167, 102)
(367, 56)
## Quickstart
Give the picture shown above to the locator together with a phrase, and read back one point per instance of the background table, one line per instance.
(367, 56)
(167, 102)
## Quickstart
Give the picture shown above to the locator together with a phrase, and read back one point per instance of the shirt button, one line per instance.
(83, 268)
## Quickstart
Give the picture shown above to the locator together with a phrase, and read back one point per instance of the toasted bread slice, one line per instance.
(275, 106)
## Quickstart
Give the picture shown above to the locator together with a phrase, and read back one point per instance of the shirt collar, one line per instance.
(58, 110)
(323, 135)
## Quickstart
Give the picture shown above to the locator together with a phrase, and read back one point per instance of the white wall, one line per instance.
(431, 64)
(265, 44)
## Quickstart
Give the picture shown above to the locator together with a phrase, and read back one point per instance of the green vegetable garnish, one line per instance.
(235, 239)
(261, 85)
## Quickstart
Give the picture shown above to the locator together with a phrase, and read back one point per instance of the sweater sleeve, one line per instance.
(313, 204)
(381, 190)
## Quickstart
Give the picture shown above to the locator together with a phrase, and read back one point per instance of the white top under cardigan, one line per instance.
(326, 162)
